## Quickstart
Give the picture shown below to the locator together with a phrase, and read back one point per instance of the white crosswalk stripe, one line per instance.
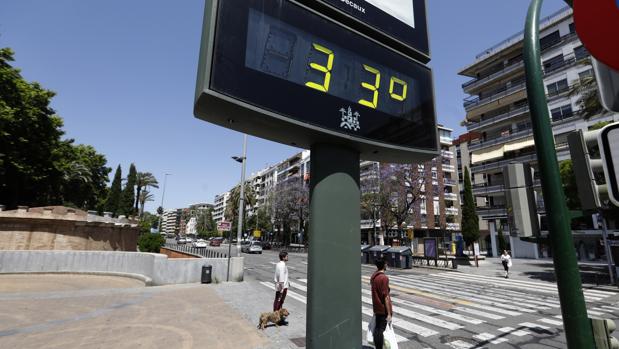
(418, 316)
(404, 325)
(489, 337)
(551, 321)
(513, 331)
(398, 338)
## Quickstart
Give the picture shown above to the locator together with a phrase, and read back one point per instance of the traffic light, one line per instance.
(608, 84)
(602, 329)
(588, 168)
(608, 140)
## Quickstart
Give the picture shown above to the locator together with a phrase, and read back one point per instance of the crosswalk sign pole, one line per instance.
(578, 332)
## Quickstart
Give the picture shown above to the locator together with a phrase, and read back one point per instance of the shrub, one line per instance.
(150, 242)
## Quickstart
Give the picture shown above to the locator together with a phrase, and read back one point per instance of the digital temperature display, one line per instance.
(280, 71)
(286, 52)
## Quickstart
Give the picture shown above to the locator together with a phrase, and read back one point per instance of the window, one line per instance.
(585, 74)
(580, 52)
(561, 113)
(557, 87)
(553, 63)
(572, 28)
(549, 40)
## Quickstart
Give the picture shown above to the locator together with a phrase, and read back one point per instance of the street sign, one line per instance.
(608, 140)
(257, 233)
(400, 23)
(224, 226)
(596, 25)
(277, 70)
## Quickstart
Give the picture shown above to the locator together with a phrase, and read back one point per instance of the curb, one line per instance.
(146, 280)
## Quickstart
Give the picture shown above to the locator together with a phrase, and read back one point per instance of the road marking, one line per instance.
(459, 344)
(398, 338)
(405, 325)
(479, 313)
(513, 331)
(609, 307)
(470, 297)
(300, 287)
(290, 294)
(303, 280)
(431, 310)
(419, 317)
(596, 313)
(449, 299)
(489, 337)
(552, 322)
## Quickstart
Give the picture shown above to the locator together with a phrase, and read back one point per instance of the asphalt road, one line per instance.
(433, 308)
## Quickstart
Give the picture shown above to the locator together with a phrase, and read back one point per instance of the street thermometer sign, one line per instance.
(284, 71)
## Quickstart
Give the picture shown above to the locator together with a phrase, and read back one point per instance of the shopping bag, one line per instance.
(369, 336)
(390, 340)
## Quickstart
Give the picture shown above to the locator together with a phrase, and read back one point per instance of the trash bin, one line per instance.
(206, 274)
(400, 257)
(364, 254)
(376, 252)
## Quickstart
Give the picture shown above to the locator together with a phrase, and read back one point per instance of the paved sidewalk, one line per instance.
(66, 311)
(540, 270)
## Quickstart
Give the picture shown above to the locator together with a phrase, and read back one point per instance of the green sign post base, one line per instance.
(334, 271)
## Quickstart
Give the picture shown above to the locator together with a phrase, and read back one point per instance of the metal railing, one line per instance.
(482, 80)
(499, 164)
(475, 101)
(201, 252)
(520, 133)
(504, 116)
(448, 263)
(486, 189)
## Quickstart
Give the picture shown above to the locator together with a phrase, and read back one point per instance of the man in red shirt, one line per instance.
(381, 302)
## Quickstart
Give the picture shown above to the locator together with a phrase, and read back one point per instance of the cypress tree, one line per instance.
(127, 202)
(470, 221)
(113, 199)
(501, 240)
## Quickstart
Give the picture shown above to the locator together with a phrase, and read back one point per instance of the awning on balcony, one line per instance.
(529, 142)
(492, 153)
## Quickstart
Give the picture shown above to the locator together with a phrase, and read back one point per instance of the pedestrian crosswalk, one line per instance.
(473, 310)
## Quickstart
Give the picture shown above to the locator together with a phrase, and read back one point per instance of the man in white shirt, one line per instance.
(281, 281)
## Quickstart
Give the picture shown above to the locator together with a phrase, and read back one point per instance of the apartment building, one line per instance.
(438, 212)
(497, 113)
(219, 206)
(171, 221)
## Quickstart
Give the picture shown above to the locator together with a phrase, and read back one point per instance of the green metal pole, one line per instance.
(334, 272)
(578, 330)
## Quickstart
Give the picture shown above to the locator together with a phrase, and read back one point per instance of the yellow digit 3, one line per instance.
(374, 88)
(321, 68)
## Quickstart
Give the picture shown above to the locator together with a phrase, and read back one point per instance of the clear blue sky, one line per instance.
(124, 73)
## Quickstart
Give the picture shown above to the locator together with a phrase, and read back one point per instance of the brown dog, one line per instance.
(274, 317)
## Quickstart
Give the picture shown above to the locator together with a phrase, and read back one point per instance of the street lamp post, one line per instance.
(239, 229)
(165, 180)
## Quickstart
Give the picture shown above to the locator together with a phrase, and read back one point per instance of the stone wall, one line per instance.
(157, 269)
(62, 228)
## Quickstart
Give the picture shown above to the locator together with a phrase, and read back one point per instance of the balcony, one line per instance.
(452, 211)
(487, 212)
(451, 196)
(472, 126)
(520, 133)
(501, 164)
(474, 101)
(448, 168)
(447, 154)
(453, 226)
(471, 84)
(446, 140)
(485, 189)
(448, 181)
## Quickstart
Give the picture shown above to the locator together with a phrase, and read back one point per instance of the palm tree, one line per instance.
(144, 197)
(144, 180)
(586, 89)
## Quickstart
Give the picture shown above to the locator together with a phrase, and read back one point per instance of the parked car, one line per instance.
(181, 240)
(216, 241)
(189, 240)
(251, 247)
(200, 243)
(266, 245)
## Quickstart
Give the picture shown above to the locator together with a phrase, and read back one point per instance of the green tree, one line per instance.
(232, 207)
(30, 135)
(112, 204)
(470, 221)
(501, 240)
(145, 196)
(150, 242)
(144, 180)
(85, 176)
(568, 179)
(586, 89)
(128, 194)
(205, 222)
